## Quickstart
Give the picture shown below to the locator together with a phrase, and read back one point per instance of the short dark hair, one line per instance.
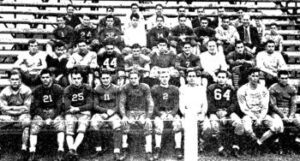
(110, 7)
(134, 15)
(282, 72)
(109, 16)
(134, 4)
(270, 42)
(204, 18)
(32, 41)
(59, 44)
(186, 42)
(181, 15)
(70, 5)
(159, 16)
(76, 70)
(109, 41)
(238, 42)
(180, 7)
(222, 71)
(45, 71)
(14, 72)
(135, 46)
(159, 5)
(105, 72)
(253, 70)
(225, 17)
(134, 72)
(162, 40)
(273, 23)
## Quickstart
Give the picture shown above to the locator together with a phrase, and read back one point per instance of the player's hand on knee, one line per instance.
(125, 121)
(48, 122)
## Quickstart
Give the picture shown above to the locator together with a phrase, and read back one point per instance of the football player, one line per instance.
(166, 106)
(15, 101)
(78, 101)
(136, 107)
(106, 106)
(222, 110)
(47, 111)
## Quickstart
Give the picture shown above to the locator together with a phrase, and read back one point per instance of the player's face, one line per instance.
(134, 79)
(191, 78)
(136, 52)
(164, 78)
(15, 81)
(159, 10)
(182, 21)
(109, 49)
(46, 79)
(106, 79)
(109, 11)
(33, 48)
(83, 48)
(221, 11)
(77, 79)
(222, 77)
(61, 22)
(246, 21)
(134, 9)
(273, 29)
(110, 22)
(225, 23)
(240, 48)
(134, 22)
(85, 20)
(187, 48)
(283, 79)
(181, 11)
(200, 11)
(204, 23)
(270, 48)
(159, 22)
(254, 78)
(70, 10)
(212, 47)
(162, 47)
(60, 50)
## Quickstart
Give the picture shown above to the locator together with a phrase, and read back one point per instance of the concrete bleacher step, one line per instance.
(26, 30)
(21, 41)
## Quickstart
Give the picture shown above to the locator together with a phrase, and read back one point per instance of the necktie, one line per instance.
(246, 36)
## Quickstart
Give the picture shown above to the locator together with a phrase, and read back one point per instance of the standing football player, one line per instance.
(47, 111)
(78, 100)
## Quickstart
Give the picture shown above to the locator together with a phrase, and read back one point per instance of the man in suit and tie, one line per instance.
(248, 34)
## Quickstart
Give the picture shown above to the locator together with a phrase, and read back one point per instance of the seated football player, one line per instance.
(56, 63)
(253, 99)
(222, 110)
(31, 63)
(85, 60)
(283, 106)
(78, 102)
(46, 110)
(136, 108)
(106, 100)
(166, 107)
(15, 101)
(196, 108)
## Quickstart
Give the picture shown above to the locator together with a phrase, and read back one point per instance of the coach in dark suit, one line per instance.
(248, 34)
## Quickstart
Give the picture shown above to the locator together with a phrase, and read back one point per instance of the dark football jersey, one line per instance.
(165, 98)
(221, 97)
(114, 60)
(163, 60)
(65, 34)
(85, 33)
(81, 97)
(106, 98)
(47, 99)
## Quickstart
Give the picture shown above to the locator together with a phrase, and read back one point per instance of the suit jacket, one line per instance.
(253, 35)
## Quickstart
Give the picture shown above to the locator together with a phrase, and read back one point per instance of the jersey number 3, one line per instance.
(218, 94)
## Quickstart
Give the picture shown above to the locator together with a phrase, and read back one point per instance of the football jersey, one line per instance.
(281, 97)
(37, 60)
(65, 34)
(88, 60)
(163, 60)
(255, 101)
(106, 98)
(85, 33)
(190, 61)
(47, 99)
(221, 97)
(141, 61)
(81, 97)
(109, 33)
(136, 98)
(114, 61)
(21, 97)
(165, 98)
